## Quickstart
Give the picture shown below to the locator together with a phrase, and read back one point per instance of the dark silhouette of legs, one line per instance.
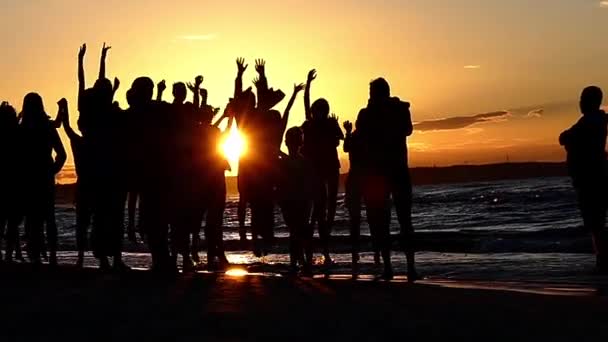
(242, 213)
(593, 212)
(51, 229)
(377, 194)
(319, 215)
(333, 180)
(84, 212)
(353, 203)
(402, 198)
(131, 210)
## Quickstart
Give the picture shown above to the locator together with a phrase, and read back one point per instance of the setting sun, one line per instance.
(234, 146)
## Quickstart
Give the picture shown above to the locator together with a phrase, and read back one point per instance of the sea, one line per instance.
(527, 229)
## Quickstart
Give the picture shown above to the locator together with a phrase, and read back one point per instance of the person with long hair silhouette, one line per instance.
(11, 199)
(384, 126)
(585, 144)
(39, 140)
(322, 135)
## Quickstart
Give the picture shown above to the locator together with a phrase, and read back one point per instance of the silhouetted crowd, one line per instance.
(175, 171)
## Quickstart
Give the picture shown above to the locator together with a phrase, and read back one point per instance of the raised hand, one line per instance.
(298, 88)
(334, 117)
(312, 75)
(63, 104)
(82, 51)
(104, 49)
(116, 84)
(241, 66)
(256, 81)
(161, 86)
(198, 80)
(193, 88)
(260, 66)
(348, 126)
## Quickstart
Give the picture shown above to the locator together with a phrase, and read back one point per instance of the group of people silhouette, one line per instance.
(175, 171)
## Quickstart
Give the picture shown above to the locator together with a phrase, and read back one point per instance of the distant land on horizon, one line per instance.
(426, 175)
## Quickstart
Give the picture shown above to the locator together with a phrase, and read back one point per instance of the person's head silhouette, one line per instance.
(33, 110)
(179, 92)
(320, 109)
(294, 139)
(591, 99)
(141, 91)
(8, 115)
(379, 89)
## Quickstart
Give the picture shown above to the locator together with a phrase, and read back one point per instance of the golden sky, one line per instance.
(523, 61)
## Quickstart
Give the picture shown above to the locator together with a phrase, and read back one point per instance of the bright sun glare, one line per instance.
(237, 272)
(234, 146)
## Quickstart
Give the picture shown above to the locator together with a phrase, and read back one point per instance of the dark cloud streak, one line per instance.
(459, 122)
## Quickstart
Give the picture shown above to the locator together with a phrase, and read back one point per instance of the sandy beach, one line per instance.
(66, 304)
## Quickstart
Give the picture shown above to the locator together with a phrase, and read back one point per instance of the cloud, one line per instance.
(603, 4)
(210, 36)
(459, 122)
(536, 113)
(472, 66)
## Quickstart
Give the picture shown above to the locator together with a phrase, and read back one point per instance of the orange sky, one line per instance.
(449, 58)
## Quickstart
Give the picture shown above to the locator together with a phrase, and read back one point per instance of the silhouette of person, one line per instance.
(322, 135)
(585, 144)
(241, 180)
(84, 181)
(295, 198)
(11, 201)
(354, 191)
(215, 200)
(149, 168)
(384, 126)
(39, 140)
(104, 141)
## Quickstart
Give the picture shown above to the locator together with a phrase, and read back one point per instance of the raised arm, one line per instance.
(102, 62)
(348, 127)
(81, 82)
(296, 89)
(160, 88)
(260, 67)
(60, 155)
(194, 88)
(312, 75)
(238, 82)
(115, 86)
(65, 120)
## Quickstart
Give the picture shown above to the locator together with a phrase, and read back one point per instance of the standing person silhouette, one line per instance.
(295, 199)
(585, 144)
(322, 135)
(10, 197)
(105, 148)
(384, 126)
(84, 187)
(148, 158)
(39, 140)
(354, 192)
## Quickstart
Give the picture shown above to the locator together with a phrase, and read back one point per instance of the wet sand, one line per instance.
(69, 304)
